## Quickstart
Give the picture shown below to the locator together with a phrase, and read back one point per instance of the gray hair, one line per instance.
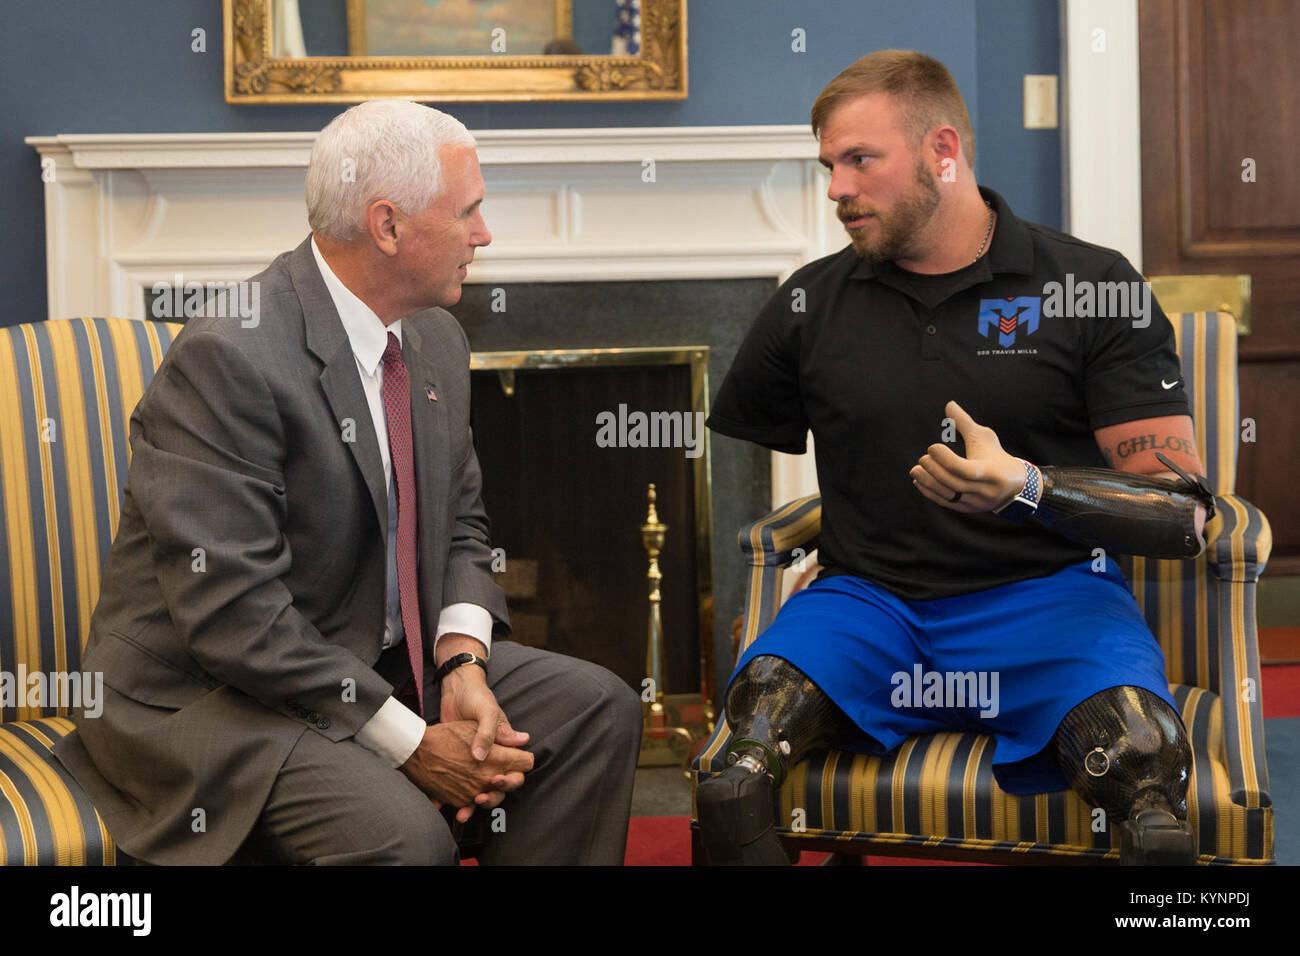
(381, 149)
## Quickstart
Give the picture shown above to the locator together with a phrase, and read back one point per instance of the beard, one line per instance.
(898, 230)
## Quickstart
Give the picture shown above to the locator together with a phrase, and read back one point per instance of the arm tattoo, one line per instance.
(1132, 446)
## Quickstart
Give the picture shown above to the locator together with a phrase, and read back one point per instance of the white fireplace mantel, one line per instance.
(495, 147)
(124, 211)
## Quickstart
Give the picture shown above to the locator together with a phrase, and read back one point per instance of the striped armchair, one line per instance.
(67, 390)
(936, 797)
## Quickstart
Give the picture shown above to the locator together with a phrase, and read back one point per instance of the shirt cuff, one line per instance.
(393, 733)
(468, 619)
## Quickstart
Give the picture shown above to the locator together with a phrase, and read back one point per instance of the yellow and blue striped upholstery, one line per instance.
(45, 817)
(1203, 611)
(67, 390)
(936, 794)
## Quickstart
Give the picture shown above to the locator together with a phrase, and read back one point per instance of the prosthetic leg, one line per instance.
(777, 716)
(1125, 751)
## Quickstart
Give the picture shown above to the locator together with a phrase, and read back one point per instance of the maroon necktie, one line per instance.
(397, 412)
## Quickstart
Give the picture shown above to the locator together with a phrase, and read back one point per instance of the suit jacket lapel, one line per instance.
(340, 381)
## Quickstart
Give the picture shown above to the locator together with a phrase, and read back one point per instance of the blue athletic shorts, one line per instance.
(1010, 661)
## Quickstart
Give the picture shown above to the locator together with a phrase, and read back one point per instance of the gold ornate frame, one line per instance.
(253, 76)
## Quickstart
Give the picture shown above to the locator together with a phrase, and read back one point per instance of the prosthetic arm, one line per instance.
(1124, 513)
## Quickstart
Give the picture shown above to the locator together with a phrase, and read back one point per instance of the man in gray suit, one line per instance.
(297, 614)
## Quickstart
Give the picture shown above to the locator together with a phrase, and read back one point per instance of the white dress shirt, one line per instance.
(394, 731)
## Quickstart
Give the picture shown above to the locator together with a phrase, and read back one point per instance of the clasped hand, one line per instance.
(987, 478)
(472, 757)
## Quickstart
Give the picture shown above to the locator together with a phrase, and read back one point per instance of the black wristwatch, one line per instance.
(456, 660)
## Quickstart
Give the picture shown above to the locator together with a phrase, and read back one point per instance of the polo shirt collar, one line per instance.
(366, 333)
(1012, 248)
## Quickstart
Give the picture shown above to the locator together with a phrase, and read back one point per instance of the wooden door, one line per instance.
(1220, 86)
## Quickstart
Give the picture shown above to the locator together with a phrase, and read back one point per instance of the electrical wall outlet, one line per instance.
(1040, 101)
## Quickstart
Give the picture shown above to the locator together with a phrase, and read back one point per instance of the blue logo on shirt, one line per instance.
(1008, 314)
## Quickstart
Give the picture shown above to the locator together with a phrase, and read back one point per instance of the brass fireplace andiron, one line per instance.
(661, 744)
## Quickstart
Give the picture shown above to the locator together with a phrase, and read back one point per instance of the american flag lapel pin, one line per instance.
(430, 393)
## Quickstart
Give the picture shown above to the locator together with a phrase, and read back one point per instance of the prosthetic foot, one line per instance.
(737, 811)
(1125, 751)
(777, 716)
(1155, 837)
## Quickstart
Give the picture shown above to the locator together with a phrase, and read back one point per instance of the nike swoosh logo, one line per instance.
(1168, 385)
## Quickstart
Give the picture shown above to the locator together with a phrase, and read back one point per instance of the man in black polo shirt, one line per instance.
(962, 370)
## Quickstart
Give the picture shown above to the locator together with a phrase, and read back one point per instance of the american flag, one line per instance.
(627, 31)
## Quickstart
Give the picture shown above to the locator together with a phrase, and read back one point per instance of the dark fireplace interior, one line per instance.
(575, 564)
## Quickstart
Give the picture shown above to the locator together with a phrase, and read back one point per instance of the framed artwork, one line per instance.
(454, 50)
(456, 27)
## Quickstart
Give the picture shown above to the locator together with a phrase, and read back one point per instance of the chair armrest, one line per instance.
(769, 546)
(1240, 694)
(1238, 540)
(771, 540)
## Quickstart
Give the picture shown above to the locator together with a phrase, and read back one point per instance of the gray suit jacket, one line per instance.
(242, 602)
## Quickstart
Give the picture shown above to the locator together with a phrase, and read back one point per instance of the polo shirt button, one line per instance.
(323, 723)
(931, 330)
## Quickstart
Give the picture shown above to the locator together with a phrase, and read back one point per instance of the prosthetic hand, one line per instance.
(777, 716)
(1121, 512)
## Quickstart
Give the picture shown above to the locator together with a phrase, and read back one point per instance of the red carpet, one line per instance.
(666, 841)
(659, 841)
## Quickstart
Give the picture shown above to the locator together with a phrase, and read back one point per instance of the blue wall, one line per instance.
(90, 66)
(1012, 38)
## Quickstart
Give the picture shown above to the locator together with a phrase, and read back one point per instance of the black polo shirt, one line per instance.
(866, 356)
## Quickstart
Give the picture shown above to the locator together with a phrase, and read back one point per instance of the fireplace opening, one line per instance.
(569, 442)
